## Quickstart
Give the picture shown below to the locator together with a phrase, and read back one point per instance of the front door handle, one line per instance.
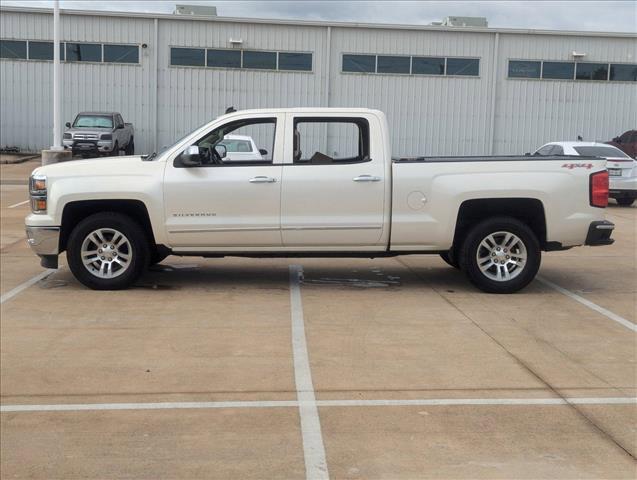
(262, 179)
(366, 178)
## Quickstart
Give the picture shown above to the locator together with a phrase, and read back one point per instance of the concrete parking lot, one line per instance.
(306, 368)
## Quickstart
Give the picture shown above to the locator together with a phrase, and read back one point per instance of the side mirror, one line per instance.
(120, 126)
(221, 150)
(191, 157)
(263, 151)
(68, 124)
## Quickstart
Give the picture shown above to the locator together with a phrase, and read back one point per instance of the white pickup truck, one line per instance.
(329, 187)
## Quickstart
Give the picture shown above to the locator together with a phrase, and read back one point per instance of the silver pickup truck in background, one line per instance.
(99, 133)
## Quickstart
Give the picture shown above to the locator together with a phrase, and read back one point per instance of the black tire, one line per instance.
(471, 247)
(450, 258)
(625, 201)
(130, 148)
(138, 250)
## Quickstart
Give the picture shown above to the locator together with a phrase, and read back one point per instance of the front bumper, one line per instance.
(89, 146)
(45, 241)
(599, 233)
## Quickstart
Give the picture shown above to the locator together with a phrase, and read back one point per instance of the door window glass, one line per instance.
(319, 141)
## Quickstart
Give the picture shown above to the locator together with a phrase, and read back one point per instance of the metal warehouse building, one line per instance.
(446, 90)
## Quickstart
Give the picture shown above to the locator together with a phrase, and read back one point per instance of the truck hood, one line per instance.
(103, 167)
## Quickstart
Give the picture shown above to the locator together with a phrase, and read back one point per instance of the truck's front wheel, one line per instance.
(107, 251)
(500, 255)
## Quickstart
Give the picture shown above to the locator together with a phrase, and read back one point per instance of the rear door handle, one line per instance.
(366, 178)
(262, 179)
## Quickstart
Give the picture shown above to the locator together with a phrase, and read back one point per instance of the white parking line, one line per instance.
(593, 306)
(18, 204)
(433, 402)
(313, 448)
(23, 286)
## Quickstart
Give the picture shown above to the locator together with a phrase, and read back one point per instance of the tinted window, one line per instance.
(40, 50)
(83, 52)
(626, 73)
(557, 150)
(328, 141)
(524, 69)
(121, 53)
(224, 58)
(193, 57)
(463, 66)
(295, 61)
(359, 63)
(592, 71)
(428, 65)
(558, 70)
(545, 150)
(600, 152)
(94, 121)
(260, 60)
(392, 64)
(13, 49)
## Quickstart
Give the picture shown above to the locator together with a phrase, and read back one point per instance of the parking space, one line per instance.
(386, 368)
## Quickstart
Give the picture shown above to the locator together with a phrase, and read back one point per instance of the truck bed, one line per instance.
(490, 158)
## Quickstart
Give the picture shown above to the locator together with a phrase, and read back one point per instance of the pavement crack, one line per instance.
(603, 433)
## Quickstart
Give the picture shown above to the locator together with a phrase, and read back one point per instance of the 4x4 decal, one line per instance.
(571, 166)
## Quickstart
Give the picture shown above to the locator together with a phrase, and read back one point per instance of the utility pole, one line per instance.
(56, 153)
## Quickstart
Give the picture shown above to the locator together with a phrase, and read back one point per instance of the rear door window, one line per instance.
(325, 141)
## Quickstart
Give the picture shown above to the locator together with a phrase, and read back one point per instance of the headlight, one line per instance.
(37, 185)
(68, 136)
(37, 189)
(106, 136)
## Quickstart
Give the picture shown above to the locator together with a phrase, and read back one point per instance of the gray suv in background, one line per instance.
(99, 133)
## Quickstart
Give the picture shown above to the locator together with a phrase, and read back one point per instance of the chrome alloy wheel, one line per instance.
(501, 256)
(106, 253)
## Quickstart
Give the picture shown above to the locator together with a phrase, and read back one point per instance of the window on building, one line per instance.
(121, 53)
(83, 52)
(524, 69)
(325, 141)
(463, 66)
(13, 49)
(295, 61)
(224, 58)
(621, 72)
(359, 63)
(190, 57)
(558, 70)
(260, 60)
(591, 71)
(40, 50)
(428, 65)
(393, 64)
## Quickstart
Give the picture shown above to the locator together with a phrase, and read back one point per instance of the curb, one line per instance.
(18, 160)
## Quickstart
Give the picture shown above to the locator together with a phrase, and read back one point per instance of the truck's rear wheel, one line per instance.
(107, 251)
(625, 201)
(130, 148)
(500, 255)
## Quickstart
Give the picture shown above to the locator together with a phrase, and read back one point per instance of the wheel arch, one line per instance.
(76, 211)
(527, 210)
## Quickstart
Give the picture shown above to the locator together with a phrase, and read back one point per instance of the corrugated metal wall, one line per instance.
(428, 115)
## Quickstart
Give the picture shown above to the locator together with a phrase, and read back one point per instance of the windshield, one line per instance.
(94, 121)
(600, 152)
(238, 146)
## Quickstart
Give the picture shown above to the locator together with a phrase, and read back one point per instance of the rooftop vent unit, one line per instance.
(198, 10)
(465, 22)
